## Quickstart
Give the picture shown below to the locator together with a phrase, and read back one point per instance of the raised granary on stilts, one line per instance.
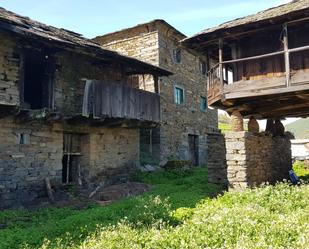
(259, 69)
(260, 63)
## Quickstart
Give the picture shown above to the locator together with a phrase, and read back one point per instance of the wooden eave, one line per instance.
(204, 39)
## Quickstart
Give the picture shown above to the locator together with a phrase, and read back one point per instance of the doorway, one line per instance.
(72, 153)
(193, 149)
(37, 85)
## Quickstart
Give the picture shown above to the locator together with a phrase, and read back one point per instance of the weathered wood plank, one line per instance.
(262, 92)
(113, 100)
(248, 85)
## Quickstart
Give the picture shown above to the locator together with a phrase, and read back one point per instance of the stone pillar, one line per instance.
(236, 159)
(237, 122)
(216, 162)
(253, 125)
(255, 158)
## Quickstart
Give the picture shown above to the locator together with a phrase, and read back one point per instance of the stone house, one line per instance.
(186, 118)
(69, 110)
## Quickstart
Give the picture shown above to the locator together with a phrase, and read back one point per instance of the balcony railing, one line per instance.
(217, 76)
(113, 100)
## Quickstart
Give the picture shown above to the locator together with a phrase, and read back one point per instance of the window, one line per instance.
(203, 104)
(179, 95)
(177, 55)
(23, 138)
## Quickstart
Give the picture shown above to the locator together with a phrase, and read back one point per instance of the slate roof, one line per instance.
(262, 16)
(36, 30)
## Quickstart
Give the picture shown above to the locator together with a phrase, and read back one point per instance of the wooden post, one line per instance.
(150, 142)
(68, 168)
(220, 62)
(49, 190)
(286, 55)
(156, 84)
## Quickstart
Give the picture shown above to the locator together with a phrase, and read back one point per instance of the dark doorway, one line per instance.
(70, 168)
(149, 146)
(71, 158)
(38, 81)
(193, 149)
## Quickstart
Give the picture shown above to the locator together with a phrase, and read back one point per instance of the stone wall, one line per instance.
(9, 71)
(179, 121)
(155, 43)
(23, 167)
(114, 152)
(31, 148)
(255, 158)
(69, 79)
(107, 154)
(216, 160)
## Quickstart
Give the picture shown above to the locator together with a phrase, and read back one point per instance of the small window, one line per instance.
(177, 55)
(203, 104)
(179, 95)
(23, 138)
(203, 67)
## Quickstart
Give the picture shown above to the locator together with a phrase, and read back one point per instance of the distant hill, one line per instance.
(299, 128)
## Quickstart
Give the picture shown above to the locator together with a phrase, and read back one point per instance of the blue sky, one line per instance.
(97, 17)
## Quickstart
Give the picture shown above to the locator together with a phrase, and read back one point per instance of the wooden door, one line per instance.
(193, 149)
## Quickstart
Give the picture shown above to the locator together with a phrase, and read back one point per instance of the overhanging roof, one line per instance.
(30, 29)
(282, 13)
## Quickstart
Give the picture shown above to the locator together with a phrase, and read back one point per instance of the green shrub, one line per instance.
(301, 171)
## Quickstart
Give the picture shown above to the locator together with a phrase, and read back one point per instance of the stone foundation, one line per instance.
(244, 159)
(256, 158)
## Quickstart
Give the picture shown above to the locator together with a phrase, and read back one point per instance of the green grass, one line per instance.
(224, 127)
(301, 171)
(184, 189)
(178, 213)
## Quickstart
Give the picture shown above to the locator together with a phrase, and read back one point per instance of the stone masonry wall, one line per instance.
(23, 167)
(155, 44)
(178, 121)
(114, 152)
(69, 79)
(9, 70)
(106, 154)
(253, 158)
(216, 162)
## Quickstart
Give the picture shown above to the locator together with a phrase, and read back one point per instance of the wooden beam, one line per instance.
(286, 55)
(220, 62)
(156, 84)
(274, 91)
(253, 57)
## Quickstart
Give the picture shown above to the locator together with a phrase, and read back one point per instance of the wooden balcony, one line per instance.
(278, 94)
(114, 101)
